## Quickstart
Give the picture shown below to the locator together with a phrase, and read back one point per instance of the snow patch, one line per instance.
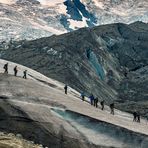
(98, 4)
(52, 51)
(51, 3)
(78, 24)
(46, 27)
(7, 1)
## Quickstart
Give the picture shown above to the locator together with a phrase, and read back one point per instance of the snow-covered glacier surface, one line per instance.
(29, 19)
(102, 133)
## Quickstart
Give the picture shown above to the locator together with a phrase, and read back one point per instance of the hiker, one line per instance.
(83, 96)
(92, 99)
(88, 53)
(25, 74)
(6, 68)
(65, 88)
(125, 73)
(138, 117)
(96, 102)
(102, 105)
(112, 108)
(134, 116)
(15, 71)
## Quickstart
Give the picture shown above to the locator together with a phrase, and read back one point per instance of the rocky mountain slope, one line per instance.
(38, 109)
(30, 19)
(109, 61)
(15, 141)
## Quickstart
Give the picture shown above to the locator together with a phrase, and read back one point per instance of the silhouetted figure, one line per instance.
(134, 116)
(88, 52)
(6, 68)
(15, 71)
(25, 74)
(112, 108)
(138, 117)
(102, 105)
(125, 73)
(92, 99)
(65, 88)
(83, 96)
(96, 102)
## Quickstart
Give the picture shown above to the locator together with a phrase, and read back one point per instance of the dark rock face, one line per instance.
(74, 8)
(109, 61)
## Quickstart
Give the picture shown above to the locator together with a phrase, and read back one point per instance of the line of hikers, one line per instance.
(15, 70)
(94, 100)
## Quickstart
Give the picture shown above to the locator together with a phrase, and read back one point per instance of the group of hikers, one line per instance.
(15, 69)
(94, 102)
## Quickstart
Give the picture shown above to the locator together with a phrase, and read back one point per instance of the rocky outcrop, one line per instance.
(15, 141)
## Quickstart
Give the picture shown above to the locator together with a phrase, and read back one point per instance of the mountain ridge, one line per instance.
(33, 19)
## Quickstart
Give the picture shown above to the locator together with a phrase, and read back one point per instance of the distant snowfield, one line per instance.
(51, 2)
(98, 4)
(57, 4)
(7, 1)
(46, 28)
(61, 8)
(57, 17)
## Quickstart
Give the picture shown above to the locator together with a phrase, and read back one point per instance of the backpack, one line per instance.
(112, 105)
(101, 102)
(65, 87)
(4, 66)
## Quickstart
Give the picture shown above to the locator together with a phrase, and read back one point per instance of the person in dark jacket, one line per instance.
(92, 99)
(65, 88)
(83, 96)
(25, 74)
(138, 117)
(112, 106)
(96, 102)
(6, 68)
(15, 71)
(102, 105)
(134, 116)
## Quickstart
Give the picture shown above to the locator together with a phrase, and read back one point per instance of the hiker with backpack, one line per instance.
(25, 74)
(91, 99)
(82, 96)
(96, 100)
(15, 71)
(112, 106)
(65, 88)
(102, 104)
(6, 68)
